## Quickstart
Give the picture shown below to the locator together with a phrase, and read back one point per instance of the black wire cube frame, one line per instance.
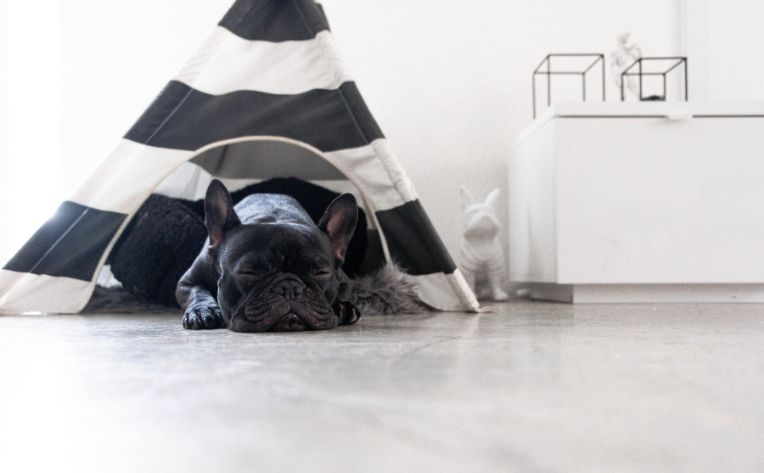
(680, 60)
(598, 58)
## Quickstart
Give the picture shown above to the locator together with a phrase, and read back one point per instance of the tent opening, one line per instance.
(143, 259)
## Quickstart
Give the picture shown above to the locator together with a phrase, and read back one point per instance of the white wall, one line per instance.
(449, 82)
(33, 186)
(4, 223)
(724, 40)
(76, 85)
(114, 61)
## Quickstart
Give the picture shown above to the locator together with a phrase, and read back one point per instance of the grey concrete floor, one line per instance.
(530, 387)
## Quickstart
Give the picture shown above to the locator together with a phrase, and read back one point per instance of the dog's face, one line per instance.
(278, 276)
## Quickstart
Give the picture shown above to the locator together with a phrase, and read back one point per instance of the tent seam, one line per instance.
(241, 17)
(304, 20)
(353, 117)
(191, 89)
(169, 115)
(54, 245)
(339, 90)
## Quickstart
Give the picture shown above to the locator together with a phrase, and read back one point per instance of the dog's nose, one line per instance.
(289, 289)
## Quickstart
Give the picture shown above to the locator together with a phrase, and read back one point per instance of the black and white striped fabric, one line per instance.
(268, 78)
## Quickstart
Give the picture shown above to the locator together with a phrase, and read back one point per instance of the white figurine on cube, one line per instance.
(481, 257)
(623, 56)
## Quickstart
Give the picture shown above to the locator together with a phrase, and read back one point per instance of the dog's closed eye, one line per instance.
(258, 270)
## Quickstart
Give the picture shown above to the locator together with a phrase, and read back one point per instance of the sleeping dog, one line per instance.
(266, 266)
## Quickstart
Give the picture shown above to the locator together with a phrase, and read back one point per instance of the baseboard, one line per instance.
(648, 293)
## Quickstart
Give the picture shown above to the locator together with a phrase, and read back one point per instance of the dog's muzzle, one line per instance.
(286, 304)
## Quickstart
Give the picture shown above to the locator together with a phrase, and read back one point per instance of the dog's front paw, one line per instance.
(203, 316)
(346, 312)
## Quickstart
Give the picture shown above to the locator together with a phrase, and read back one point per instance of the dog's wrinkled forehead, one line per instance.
(277, 242)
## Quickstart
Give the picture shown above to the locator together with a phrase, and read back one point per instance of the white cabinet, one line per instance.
(640, 202)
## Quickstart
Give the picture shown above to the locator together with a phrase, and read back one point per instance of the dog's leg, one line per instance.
(202, 310)
(347, 312)
(200, 307)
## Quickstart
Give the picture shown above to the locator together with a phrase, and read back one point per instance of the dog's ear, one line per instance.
(219, 216)
(339, 222)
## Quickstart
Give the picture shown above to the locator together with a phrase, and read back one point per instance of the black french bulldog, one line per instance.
(266, 266)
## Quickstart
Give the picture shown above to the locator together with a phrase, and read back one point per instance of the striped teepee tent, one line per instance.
(265, 96)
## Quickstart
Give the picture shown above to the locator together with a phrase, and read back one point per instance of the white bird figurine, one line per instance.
(481, 257)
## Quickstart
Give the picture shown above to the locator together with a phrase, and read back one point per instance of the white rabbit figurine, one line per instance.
(481, 256)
